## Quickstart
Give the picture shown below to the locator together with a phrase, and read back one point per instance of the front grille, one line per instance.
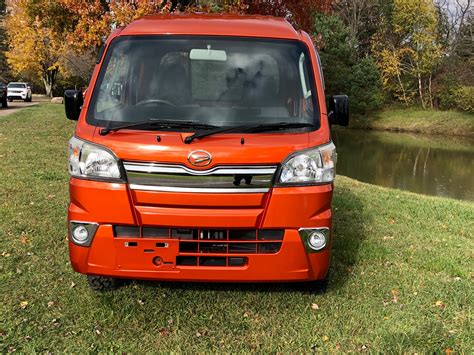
(211, 247)
(211, 261)
(220, 179)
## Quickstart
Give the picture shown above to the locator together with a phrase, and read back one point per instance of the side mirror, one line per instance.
(338, 110)
(73, 101)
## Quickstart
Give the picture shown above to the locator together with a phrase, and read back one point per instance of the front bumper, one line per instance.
(17, 96)
(282, 208)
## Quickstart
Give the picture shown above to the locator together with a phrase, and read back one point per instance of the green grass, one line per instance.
(401, 274)
(416, 120)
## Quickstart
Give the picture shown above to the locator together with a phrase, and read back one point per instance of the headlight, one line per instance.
(312, 166)
(88, 160)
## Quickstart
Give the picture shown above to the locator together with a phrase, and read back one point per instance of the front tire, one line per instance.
(102, 283)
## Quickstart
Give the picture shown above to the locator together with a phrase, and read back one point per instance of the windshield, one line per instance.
(208, 80)
(16, 86)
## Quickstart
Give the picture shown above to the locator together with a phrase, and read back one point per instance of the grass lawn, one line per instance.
(401, 274)
(417, 120)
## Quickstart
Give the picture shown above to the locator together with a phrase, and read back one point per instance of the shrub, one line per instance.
(464, 98)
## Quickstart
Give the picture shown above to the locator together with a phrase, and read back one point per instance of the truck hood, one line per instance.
(225, 149)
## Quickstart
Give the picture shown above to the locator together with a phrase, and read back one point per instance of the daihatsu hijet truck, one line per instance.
(203, 152)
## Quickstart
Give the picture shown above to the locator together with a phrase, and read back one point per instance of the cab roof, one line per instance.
(212, 25)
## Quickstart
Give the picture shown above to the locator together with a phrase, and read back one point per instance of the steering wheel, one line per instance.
(154, 101)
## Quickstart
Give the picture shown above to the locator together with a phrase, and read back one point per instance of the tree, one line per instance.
(362, 17)
(299, 12)
(33, 47)
(344, 72)
(407, 50)
(366, 90)
(454, 19)
(46, 36)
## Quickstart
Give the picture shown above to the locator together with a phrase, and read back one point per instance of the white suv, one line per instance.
(19, 91)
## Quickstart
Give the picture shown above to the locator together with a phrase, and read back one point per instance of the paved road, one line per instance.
(18, 105)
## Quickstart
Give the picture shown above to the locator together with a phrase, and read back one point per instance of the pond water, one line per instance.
(427, 165)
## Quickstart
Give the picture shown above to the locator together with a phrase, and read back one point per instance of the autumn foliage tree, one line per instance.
(34, 47)
(300, 12)
(407, 50)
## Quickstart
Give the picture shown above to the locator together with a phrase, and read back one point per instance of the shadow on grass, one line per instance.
(350, 221)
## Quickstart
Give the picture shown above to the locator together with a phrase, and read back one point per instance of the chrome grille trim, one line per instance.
(197, 190)
(180, 169)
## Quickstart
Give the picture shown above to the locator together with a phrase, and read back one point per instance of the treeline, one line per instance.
(413, 52)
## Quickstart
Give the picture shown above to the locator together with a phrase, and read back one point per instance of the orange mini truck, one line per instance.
(203, 152)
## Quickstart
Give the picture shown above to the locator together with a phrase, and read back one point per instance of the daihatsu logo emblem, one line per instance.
(200, 158)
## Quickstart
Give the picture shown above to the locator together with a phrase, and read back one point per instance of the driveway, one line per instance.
(18, 105)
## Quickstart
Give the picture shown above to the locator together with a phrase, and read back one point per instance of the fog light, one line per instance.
(317, 240)
(81, 233)
(314, 239)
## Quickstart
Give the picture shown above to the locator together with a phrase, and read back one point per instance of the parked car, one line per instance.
(3, 95)
(203, 152)
(19, 91)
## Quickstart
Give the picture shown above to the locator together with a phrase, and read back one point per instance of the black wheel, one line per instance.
(102, 283)
(10, 100)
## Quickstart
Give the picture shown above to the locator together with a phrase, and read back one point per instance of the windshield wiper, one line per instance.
(248, 128)
(157, 124)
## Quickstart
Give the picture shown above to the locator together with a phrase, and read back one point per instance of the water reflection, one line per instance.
(427, 165)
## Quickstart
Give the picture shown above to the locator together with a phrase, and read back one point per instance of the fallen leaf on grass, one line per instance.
(5, 254)
(448, 351)
(24, 238)
(51, 196)
(50, 304)
(440, 304)
(23, 304)
(325, 338)
(97, 331)
(314, 306)
(395, 294)
(140, 302)
(164, 332)
(73, 284)
(338, 346)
